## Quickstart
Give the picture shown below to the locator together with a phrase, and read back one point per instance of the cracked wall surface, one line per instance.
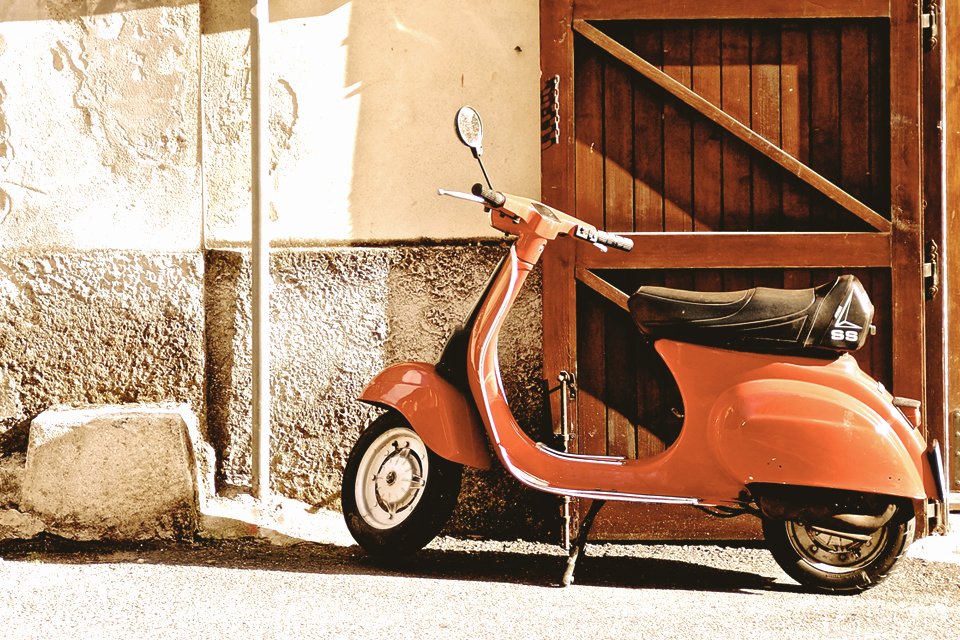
(363, 95)
(99, 126)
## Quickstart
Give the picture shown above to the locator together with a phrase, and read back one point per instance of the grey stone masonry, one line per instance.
(126, 472)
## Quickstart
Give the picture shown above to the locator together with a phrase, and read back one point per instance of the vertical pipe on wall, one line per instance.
(260, 255)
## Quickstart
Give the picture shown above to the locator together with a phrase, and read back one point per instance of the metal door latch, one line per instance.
(550, 111)
(931, 270)
(930, 23)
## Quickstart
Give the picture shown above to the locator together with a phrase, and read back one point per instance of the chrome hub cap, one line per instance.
(391, 478)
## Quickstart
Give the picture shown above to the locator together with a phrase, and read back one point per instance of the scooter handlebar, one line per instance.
(604, 238)
(493, 198)
(613, 240)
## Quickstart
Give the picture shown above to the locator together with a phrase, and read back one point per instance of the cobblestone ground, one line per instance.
(453, 589)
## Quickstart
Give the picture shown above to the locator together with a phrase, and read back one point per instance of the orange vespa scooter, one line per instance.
(779, 421)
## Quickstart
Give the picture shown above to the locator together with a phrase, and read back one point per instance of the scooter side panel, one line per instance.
(800, 433)
(437, 411)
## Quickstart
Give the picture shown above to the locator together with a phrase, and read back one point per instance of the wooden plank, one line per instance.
(795, 119)
(648, 136)
(951, 161)
(588, 104)
(591, 408)
(879, 73)
(731, 125)
(825, 113)
(767, 203)
(795, 133)
(742, 250)
(728, 9)
(618, 155)
(677, 133)
(670, 522)
(602, 287)
(855, 110)
(735, 100)
(935, 315)
(621, 387)
(907, 258)
(557, 174)
(707, 163)
(590, 365)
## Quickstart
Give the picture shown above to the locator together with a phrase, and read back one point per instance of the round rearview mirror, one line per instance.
(470, 128)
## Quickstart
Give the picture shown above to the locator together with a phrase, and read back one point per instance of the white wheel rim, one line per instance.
(391, 478)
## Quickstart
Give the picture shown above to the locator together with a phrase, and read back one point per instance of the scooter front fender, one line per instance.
(801, 433)
(437, 411)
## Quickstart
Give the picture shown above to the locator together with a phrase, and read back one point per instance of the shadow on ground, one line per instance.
(538, 567)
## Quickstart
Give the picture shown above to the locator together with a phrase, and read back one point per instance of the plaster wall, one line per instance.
(99, 125)
(124, 179)
(363, 95)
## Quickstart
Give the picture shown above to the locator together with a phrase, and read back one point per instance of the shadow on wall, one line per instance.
(362, 103)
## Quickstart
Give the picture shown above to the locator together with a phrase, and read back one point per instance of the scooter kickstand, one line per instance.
(581, 544)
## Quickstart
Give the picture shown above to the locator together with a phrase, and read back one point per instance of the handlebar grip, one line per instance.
(493, 198)
(613, 240)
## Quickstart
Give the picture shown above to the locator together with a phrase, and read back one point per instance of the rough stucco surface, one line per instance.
(98, 328)
(340, 316)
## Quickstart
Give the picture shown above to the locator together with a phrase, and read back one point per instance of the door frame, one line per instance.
(899, 245)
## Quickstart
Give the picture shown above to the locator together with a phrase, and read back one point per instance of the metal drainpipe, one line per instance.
(260, 240)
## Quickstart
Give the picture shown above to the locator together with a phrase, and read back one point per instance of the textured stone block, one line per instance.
(113, 472)
(15, 525)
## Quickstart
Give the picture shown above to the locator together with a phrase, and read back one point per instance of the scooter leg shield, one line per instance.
(435, 408)
(796, 433)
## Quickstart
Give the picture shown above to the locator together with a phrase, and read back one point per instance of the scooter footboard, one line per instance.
(437, 411)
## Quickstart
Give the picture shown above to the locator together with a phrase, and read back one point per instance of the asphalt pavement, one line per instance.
(453, 589)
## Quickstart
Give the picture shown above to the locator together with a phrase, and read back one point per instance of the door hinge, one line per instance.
(931, 270)
(550, 112)
(930, 23)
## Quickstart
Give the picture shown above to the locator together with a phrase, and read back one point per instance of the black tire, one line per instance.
(397, 493)
(837, 564)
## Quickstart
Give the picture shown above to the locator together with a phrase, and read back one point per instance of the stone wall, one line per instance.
(97, 327)
(340, 316)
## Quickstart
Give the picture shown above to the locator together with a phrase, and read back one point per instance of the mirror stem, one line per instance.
(483, 169)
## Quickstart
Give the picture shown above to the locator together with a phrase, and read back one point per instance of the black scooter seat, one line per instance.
(820, 321)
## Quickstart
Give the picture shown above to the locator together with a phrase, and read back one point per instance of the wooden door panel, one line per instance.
(783, 81)
(738, 152)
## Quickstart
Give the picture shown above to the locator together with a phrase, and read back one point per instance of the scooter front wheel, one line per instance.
(397, 494)
(835, 562)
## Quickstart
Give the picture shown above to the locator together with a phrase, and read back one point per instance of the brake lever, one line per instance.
(461, 196)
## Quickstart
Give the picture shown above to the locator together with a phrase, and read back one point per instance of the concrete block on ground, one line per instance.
(15, 525)
(116, 472)
(11, 479)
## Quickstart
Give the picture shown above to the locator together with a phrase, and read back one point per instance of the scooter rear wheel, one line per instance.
(397, 494)
(833, 562)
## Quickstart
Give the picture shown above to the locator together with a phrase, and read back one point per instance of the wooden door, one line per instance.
(740, 144)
